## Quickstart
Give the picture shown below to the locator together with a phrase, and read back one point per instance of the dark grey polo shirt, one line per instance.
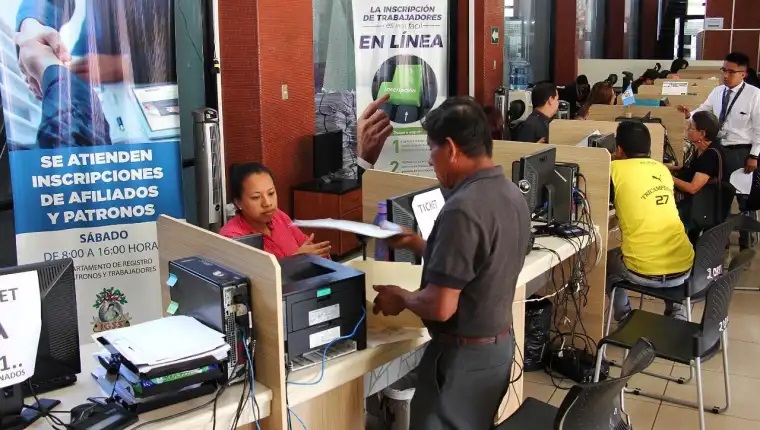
(535, 127)
(477, 245)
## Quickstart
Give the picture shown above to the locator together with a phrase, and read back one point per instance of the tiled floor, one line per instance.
(744, 369)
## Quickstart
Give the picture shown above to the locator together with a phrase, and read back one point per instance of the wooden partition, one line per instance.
(570, 133)
(672, 120)
(177, 239)
(697, 87)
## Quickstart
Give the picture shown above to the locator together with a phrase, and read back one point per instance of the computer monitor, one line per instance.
(328, 153)
(606, 141)
(535, 181)
(645, 119)
(58, 361)
(255, 240)
(564, 180)
(400, 212)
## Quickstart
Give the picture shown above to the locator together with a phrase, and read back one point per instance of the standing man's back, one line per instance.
(473, 258)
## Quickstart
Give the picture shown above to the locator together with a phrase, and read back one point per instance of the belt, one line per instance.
(668, 277)
(452, 339)
(741, 146)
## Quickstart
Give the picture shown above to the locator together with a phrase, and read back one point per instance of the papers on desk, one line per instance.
(741, 181)
(166, 341)
(360, 228)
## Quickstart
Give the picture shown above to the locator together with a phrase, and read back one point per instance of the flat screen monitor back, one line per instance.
(328, 153)
(565, 179)
(537, 171)
(255, 240)
(58, 361)
(400, 212)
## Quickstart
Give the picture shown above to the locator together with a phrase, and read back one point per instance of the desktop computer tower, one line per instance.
(208, 168)
(217, 297)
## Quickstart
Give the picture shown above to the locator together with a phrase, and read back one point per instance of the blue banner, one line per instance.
(91, 109)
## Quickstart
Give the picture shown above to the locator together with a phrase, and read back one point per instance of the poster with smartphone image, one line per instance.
(401, 50)
(90, 104)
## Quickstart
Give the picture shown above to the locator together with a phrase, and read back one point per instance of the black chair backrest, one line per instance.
(715, 316)
(708, 258)
(596, 406)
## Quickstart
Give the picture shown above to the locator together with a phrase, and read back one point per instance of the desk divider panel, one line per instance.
(177, 239)
(564, 132)
(672, 120)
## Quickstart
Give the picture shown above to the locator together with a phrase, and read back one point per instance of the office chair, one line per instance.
(595, 406)
(708, 264)
(686, 342)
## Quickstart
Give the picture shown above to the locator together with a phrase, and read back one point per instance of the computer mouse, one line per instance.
(83, 411)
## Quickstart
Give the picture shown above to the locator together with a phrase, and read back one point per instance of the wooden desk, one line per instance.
(201, 419)
(336, 402)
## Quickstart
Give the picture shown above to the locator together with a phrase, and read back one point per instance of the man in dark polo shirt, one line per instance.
(472, 259)
(535, 128)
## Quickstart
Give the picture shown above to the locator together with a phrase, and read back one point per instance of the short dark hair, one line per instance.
(542, 92)
(741, 60)
(633, 138)
(707, 121)
(240, 172)
(462, 120)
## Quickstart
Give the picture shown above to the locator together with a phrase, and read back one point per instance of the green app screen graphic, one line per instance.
(406, 87)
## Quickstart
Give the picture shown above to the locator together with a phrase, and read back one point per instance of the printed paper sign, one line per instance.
(20, 324)
(426, 208)
(675, 88)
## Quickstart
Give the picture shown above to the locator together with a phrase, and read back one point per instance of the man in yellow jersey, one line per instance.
(655, 250)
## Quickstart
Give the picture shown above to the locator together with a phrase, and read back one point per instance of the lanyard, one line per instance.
(725, 111)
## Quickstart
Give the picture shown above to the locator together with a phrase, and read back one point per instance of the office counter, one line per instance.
(201, 419)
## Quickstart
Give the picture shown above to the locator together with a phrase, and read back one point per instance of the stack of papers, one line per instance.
(165, 341)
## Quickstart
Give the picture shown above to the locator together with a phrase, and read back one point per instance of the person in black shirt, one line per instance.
(535, 128)
(473, 258)
(705, 166)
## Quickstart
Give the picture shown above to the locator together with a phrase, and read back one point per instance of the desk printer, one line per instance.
(321, 301)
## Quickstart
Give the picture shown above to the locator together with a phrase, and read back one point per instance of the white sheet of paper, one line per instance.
(360, 228)
(164, 340)
(675, 88)
(584, 142)
(741, 181)
(20, 324)
(426, 207)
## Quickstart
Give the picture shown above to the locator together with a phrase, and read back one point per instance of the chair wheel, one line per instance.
(681, 381)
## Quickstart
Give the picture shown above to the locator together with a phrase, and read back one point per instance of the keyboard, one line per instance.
(314, 357)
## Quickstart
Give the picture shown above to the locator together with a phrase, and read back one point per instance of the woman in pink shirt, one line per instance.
(255, 197)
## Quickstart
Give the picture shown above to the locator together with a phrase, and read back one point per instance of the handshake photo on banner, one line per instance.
(110, 79)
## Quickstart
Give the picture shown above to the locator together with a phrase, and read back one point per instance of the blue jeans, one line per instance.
(617, 272)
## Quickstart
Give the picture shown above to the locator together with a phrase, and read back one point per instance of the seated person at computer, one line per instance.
(647, 78)
(602, 93)
(255, 198)
(655, 251)
(704, 167)
(535, 128)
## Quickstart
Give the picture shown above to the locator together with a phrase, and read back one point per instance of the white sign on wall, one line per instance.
(20, 324)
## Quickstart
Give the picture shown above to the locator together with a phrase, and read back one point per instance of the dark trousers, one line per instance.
(461, 387)
(733, 159)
